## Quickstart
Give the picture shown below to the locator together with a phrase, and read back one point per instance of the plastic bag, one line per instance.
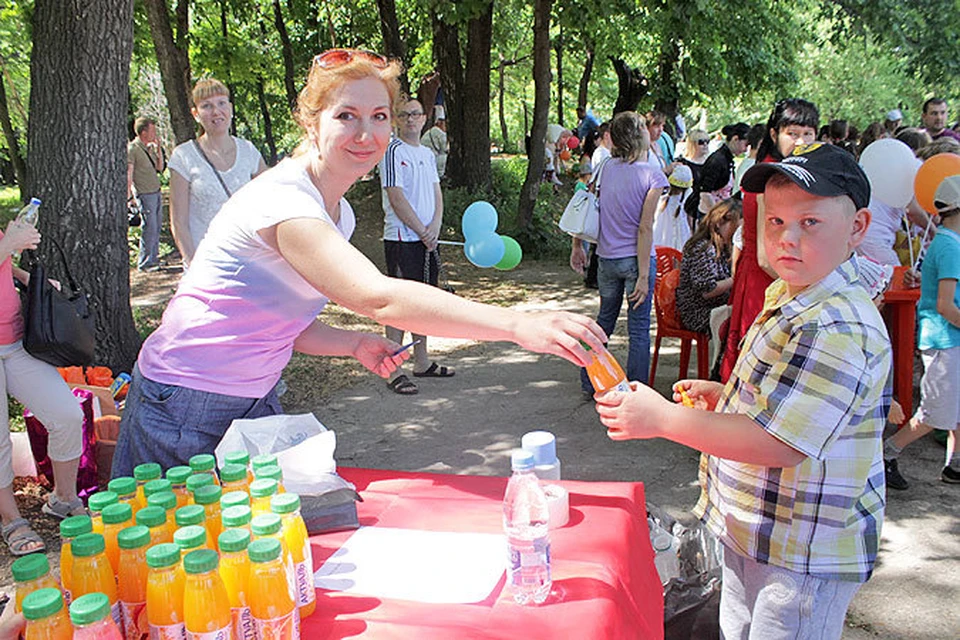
(87, 479)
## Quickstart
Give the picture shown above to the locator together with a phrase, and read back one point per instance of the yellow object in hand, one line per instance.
(685, 399)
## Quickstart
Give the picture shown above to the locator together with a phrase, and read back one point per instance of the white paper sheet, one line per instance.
(423, 566)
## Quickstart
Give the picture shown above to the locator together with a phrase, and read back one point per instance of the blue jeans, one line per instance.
(150, 231)
(168, 424)
(614, 278)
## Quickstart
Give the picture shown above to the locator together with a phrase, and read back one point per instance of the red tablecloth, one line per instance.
(605, 585)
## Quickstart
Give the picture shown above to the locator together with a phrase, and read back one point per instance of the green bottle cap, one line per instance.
(263, 488)
(152, 516)
(123, 486)
(75, 525)
(42, 603)
(133, 537)
(263, 460)
(166, 500)
(87, 544)
(179, 475)
(235, 499)
(237, 457)
(102, 499)
(147, 471)
(238, 516)
(269, 472)
(90, 608)
(190, 514)
(203, 463)
(264, 550)
(201, 561)
(233, 540)
(157, 486)
(266, 524)
(208, 494)
(163, 555)
(233, 473)
(190, 537)
(117, 513)
(30, 567)
(198, 480)
(285, 503)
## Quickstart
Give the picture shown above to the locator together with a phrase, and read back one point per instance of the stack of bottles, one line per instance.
(177, 556)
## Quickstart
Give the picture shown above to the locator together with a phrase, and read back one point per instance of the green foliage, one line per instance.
(9, 204)
(15, 46)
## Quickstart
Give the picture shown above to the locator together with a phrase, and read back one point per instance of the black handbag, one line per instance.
(59, 325)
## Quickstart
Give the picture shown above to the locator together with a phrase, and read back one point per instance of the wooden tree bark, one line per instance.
(174, 64)
(583, 92)
(79, 70)
(267, 122)
(286, 50)
(558, 46)
(393, 44)
(501, 110)
(668, 93)
(541, 108)
(632, 86)
(19, 168)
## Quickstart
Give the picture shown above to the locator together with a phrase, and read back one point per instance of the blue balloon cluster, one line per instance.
(483, 246)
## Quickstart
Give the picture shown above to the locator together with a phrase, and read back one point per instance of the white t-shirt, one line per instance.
(881, 235)
(600, 154)
(206, 193)
(413, 169)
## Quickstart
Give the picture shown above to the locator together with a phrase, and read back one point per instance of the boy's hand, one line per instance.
(630, 415)
(704, 394)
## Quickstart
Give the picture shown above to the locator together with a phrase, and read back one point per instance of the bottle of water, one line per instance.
(665, 552)
(525, 522)
(30, 214)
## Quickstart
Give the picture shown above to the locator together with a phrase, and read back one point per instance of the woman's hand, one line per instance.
(19, 236)
(559, 333)
(376, 354)
(640, 291)
(703, 393)
(578, 257)
(630, 415)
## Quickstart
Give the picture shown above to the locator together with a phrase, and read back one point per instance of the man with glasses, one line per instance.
(413, 208)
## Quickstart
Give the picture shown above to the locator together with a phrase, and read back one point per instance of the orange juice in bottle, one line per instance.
(234, 499)
(90, 615)
(116, 517)
(126, 490)
(234, 478)
(92, 572)
(31, 573)
(209, 498)
(272, 603)
(70, 528)
(260, 493)
(132, 581)
(165, 593)
(97, 503)
(178, 483)
(262, 460)
(155, 519)
(287, 506)
(166, 500)
(206, 607)
(238, 517)
(269, 525)
(144, 473)
(605, 372)
(46, 616)
(271, 472)
(243, 459)
(196, 481)
(190, 538)
(235, 572)
(205, 463)
(192, 514)
(156, 486)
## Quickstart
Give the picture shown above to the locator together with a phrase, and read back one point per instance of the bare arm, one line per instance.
(372, 351)
(644, 242)
(180, 216)
(720, 288)
(946, 307)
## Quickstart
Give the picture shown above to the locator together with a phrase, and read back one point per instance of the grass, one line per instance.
(9, 204)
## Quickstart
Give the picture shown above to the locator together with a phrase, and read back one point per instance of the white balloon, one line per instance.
(891, 167)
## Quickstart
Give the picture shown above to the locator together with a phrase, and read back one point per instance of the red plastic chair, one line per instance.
(668, 259)
(668, 325)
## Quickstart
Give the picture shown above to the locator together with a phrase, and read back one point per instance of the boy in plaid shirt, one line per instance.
(792, 473)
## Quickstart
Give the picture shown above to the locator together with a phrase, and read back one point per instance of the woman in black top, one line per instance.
(716, 178)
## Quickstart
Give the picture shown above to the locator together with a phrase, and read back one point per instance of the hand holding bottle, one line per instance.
(17, 237)
(631, 415)
(702, 394)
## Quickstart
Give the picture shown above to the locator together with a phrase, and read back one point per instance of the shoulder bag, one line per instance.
(581, 217)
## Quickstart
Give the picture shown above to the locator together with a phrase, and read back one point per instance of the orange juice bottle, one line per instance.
(206, 607)
(144, 473)
(116, 517)
(165, 593)
(92, 572)
(132, 581)
(97, 503)
(235, 572)
(190, 538)
(178, 482)
(166, 500)
(271, 601)
(260, 493)
(243, 459)
(262, 460)
(155, 519)
(287, 506)
(196, 481)
(271, 472)
(156, 486)
(126, 490)
(238, 517)
(234, 478)
(70, 528)
(205, 463)
(234, 499)
(31, 573)
(209, 498)
(90, 615)
(269, 525)
(46, 616)
(605, 372)
(192, 514)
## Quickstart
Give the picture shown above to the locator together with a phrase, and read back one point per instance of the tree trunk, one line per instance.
(476, 102)
(632, 86)
(19, 169)
(541, 108)
(501, 111)
(393, 44)
(267, 122)
(585, 80)
(558, 46)
(446, 56)
(286, 50)
(174, 65)
(77, 161)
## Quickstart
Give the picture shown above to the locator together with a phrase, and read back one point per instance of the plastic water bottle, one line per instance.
(30, 214)
(665, 552)
(525, 522)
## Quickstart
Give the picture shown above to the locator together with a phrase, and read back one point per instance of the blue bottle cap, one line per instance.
(543, 446)
(521, 460)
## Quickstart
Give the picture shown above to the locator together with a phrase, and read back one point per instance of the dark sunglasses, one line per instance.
(332, 58)
(703, 142)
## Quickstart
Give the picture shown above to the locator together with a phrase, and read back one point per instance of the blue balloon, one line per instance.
(484, 251)
(479, 219)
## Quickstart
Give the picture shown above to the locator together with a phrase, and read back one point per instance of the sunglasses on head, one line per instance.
(332, 58)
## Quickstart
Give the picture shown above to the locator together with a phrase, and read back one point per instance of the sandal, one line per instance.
(403, 386)
(60, 510)
(19, 536)
(435, 371)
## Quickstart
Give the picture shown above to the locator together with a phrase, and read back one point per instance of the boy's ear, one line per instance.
(861, 222)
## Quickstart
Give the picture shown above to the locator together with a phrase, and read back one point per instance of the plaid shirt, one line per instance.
(814, 373)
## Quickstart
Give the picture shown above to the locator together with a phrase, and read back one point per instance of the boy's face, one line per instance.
(807, 236)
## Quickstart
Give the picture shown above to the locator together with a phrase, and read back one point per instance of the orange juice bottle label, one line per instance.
(168, 632)
(304, 579)
(135, 625)
(116, 612)
(283, 628)
(67, 597)
(244, 626)
(219, 634)
(623, 385)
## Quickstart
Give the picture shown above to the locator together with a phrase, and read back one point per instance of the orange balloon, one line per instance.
(565, 154)
(931, 174)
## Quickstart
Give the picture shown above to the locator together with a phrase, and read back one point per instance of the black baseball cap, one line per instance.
(823, 170)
